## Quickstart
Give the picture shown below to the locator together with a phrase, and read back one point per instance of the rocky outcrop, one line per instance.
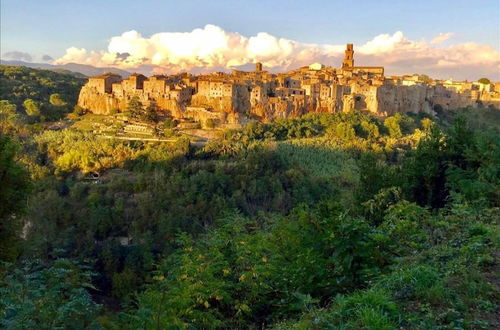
(230, 98)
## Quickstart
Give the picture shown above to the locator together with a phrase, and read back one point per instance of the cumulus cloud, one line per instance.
(442, 37)
(18, 56)
(213, 48)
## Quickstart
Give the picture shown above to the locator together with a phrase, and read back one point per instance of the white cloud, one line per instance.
(442, 37)
(384, 43)
(212, 48)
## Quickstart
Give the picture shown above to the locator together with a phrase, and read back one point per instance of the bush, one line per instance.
(370, 130)
(345, 131)
(210, 123)
(170, 123)
(168, 133)
(78, 110)
(393, 126)
(423, 283)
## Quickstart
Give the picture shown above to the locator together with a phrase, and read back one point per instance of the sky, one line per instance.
(457, 39)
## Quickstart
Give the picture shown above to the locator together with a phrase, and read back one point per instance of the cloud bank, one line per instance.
(47, 58)
(212, 48)
(18, 56)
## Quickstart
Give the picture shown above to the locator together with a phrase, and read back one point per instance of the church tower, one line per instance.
(349, 57)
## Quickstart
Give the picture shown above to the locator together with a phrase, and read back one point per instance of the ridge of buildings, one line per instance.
(259, 94)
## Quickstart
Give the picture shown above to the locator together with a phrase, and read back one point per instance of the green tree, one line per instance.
(151, 114)
(345, 131)
(56, 99)
(8, 112)
(484, 81)
(135, 107)
(424, 171)
(53, 297)
(473, 162)
(370, 129)
(31, 107)
(393, 126)
(14, 186)
(426, 124)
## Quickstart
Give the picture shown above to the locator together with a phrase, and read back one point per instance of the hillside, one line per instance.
(18, 83)
(323, 221)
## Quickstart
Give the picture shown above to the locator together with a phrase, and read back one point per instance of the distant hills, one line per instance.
(81, 70)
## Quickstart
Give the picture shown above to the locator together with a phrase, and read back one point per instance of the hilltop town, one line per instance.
(232, 98)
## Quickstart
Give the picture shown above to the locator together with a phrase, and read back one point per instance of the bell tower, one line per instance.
(349, 57)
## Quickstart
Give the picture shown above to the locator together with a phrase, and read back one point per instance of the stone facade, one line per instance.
(259, 94)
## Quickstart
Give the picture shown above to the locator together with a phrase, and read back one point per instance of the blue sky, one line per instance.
(50, 27)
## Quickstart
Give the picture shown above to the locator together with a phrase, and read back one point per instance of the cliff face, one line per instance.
(229, 98)
(389, 99)
(227, 104)
(98, 103)
(104, 103)
(275, 108)
(400, 99)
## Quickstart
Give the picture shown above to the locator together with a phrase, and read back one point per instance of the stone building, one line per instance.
(103, 83)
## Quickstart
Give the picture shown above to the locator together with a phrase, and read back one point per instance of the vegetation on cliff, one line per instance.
(324, 221)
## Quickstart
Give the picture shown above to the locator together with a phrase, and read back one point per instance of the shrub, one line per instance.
(370, 130)
(170, 123)
(210, 123)
(393, 126)
(345, 131)
(78, 110)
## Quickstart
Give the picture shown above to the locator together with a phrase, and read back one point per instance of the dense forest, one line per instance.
(327, 221)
